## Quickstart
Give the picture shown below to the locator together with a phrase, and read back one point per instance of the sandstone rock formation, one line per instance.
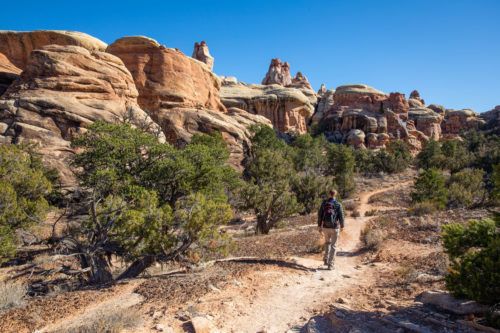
(426, 121)
(492, 119)
(182, 123)
(182, 95)
(202, 54)
(278, 73)
(8, 73)
(361, 107)
(288, 109)
(62, 90)
(457, 121)
(165, 77)
(17, 46)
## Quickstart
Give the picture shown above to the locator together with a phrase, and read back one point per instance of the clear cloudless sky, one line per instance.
(447, 49)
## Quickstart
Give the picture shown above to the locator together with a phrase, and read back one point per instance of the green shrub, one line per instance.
(474, 252)
(342, 163)
(430, 156)
(310, 189)
(430, 186)
(268, 191)
(466, 188)
(24, 188)
(148, 201)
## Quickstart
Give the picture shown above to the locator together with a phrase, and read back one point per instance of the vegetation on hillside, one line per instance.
(25, 186)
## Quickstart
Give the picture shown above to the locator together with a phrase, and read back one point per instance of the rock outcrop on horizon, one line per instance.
(54, 84)
(50, 104)
(17, 45)
(278, 73)
(492, 119)
(457, 121)
(181, 94)
(201, 53)
(288, 109)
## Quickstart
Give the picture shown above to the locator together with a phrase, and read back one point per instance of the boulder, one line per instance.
(377, 141)
(17, 46)
(356, 139)
(8, 73)
(202, 324)
(457, 121)
(445, 301)
(278, 73)
(165, 77)
(202, 54)
(288, 109)
(62, 90)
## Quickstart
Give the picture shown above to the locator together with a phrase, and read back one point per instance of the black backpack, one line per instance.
(329, 214)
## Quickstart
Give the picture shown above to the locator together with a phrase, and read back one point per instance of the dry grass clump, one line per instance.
(422, 208)
(372, 237)
(371, 212)
(11, 295)
(350, 205)
(114, 321)
(355, 213)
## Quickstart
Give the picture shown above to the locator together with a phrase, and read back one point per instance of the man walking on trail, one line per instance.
(330, 222)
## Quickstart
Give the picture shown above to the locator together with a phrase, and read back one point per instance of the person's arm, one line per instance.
(341, 215)
(320, 215)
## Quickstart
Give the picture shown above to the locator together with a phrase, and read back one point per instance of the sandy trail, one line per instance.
(272, 300)
(276, 300)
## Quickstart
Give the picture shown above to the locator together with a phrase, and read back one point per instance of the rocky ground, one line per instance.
(274, 283)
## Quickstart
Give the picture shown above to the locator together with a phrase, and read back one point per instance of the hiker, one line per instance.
(330, 222)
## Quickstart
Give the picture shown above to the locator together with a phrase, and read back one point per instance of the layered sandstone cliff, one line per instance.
(17, 45)
(182, 94)
(62, 90)
(288, 109)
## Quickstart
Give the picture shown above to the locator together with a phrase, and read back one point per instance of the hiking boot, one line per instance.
(331, 267)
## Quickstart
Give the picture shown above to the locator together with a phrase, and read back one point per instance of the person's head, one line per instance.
(333, 193)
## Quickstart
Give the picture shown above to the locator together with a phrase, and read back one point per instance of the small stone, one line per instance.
(340, 300)
(159, 327)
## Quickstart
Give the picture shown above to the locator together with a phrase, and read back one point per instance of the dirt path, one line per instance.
(277, 300)
(272, 300)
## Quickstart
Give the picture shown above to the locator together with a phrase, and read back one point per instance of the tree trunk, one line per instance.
(99, 270)
(262, 227)
(137, 267)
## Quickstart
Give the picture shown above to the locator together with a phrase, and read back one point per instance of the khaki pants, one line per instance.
(331, 236)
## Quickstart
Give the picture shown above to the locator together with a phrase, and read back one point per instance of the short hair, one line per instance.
(333, 193)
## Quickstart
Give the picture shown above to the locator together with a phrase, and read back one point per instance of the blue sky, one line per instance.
(447, 49)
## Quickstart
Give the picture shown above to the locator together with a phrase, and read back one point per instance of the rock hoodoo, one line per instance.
(49, 104)
(278, 73)
(202, 54)
(17, 46)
